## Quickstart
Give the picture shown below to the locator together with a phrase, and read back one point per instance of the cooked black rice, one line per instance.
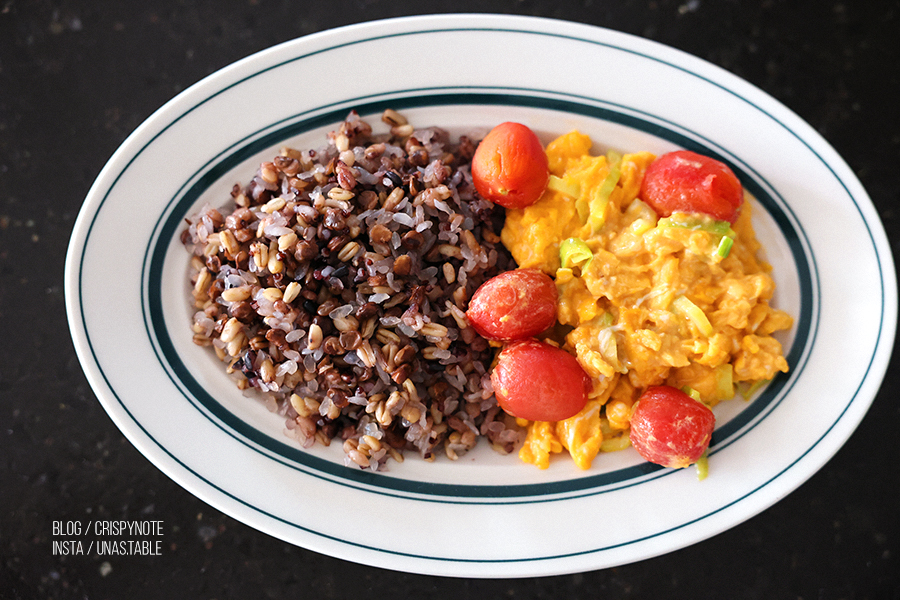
(335, 283)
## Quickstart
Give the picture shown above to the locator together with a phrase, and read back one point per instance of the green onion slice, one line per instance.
(748, 391)
(574, 252)
(564, 186)
(703, 223)
(609, 349)
(692, 393)
(697, 223)
(600, 198)
(725, 382)
(606, 319)
(690, 311)
(725, 245)
(702, 466)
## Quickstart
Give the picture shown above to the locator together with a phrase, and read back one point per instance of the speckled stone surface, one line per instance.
(77, 77)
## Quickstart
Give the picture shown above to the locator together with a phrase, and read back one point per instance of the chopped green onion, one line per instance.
(606, 341)
(600, 198)
(615, 172)
(725, 382)
(703, 223)
(574, 252)
(583, 208)
(692, 393)
(748, 391)
(702, 466)
(597, 213)
(609, 349)
(606, 319)
(725, 245)
(697, 223)
(564, 186)
(687, 309)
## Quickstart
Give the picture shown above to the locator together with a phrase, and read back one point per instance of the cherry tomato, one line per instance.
(513, 305)
(510, 167)
(539, 382)
(670, 428)
(685, 181)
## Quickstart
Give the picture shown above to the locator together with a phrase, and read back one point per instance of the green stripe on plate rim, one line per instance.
(295, 526)
(294, 457)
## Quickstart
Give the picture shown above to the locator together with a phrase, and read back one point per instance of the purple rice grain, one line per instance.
(335, 283)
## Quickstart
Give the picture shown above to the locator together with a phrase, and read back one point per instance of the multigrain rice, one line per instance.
(335, 283)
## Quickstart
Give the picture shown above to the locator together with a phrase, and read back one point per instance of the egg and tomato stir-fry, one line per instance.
(658, 302)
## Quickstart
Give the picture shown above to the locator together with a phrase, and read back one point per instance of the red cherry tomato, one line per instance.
(513, 305)
(510, 167)
(670, 428)
(539, 382)
(685, 181)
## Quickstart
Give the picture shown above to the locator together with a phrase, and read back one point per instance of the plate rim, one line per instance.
(885, 259)
(177, 209)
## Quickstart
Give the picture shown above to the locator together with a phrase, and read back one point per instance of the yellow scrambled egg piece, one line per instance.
(654, 304)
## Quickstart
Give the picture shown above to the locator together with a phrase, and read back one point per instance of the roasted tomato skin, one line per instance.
(539, 382)
(684, 181)
(514, 305)
(510, 167)
(670, 428)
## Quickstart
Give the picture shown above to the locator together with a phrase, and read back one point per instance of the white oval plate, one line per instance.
(485, 515)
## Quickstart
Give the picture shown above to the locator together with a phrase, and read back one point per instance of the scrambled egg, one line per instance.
(642, 301)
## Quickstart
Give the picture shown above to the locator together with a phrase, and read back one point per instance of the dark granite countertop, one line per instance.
(77, 77)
